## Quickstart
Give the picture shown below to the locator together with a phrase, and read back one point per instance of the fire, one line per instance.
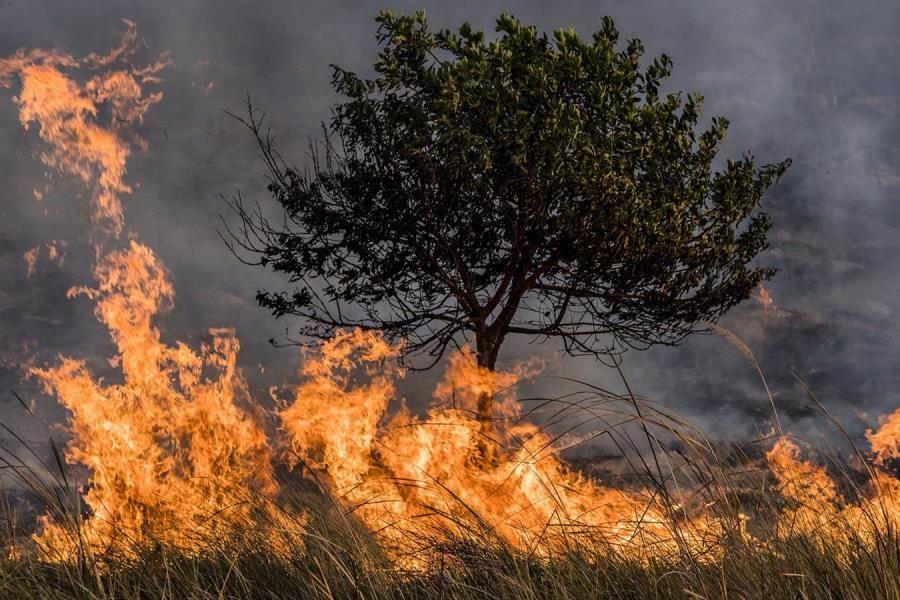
(815, 508)
(765, 299)
(30, 257)
(171, 455)
(82, 122)
(416, 480)
(811, 492)
(56, 253)
(885, 440)
(175, 455)
(332, 425)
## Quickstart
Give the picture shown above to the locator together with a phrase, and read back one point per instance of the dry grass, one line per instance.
(334, 564)
(333, 556)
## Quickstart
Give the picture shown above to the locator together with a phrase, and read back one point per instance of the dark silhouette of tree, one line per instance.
(533, 184)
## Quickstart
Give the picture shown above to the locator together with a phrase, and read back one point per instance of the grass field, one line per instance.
(339, 560)
(751, 526)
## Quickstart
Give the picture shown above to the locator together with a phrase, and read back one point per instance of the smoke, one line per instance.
(816, 81)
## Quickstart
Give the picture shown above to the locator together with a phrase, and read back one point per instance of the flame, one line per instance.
(331, 424)
(30, 257)
(69, 114)
(816, 509)
(174, 454)
(765, 299)
(56, 253)
(809, 489)
(419, 479)
(171, 455)
(885, 440)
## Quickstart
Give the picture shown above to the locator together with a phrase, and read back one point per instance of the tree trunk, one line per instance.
(486, 350)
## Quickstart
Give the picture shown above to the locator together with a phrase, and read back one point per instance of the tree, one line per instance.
(528, 185)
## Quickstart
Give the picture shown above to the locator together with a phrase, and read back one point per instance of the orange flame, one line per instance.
(30, 257)
(171, 455)
(415, 479)
(807, 486)
(69, 116)
(885, 440)
(765, 299)
(56, 253)
(817, 509)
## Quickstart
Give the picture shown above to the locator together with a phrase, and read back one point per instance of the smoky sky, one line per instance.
(815, 81)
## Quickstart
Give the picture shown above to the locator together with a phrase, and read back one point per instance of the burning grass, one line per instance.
(185, 493)
(337, 563)
(185, 488)
(788, 528)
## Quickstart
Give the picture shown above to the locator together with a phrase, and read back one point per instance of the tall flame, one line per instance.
(171, 455)
(81, 122)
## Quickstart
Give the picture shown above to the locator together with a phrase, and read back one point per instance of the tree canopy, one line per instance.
(524, 183)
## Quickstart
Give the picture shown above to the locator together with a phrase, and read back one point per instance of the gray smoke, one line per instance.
(815, 81)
